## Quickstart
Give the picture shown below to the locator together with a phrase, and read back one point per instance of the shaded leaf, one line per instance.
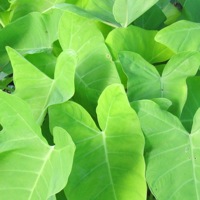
(108, 162)
(147, 83)
(191, 10)
(167, 140)
(153, 19)
(126, 11)
(37, 88)
(193, 102)
(29, 167)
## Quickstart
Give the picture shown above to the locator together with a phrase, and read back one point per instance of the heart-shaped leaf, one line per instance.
(172, 154)
(37, 88)
(29, 167)
(108, 161)
(147, 82)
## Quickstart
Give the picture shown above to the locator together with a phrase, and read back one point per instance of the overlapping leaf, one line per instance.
(147, 83)
(29, 167)
(153, 19)
(108, 162)
(30, 34)
(126, 11)
(20, 8)
(192, 103)
(172, 154)
(190, 10)
(137, 40)
(38, 89)
(95, 69)
(180, 36)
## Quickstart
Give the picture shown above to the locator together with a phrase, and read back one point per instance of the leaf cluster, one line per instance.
(99, 100)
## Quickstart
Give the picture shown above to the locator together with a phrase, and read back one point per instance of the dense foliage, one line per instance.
(99, 100)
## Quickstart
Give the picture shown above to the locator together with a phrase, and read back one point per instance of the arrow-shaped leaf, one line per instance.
(108, 161)
(147, 83)
(29, 168)
(38, 89)
(172, 154)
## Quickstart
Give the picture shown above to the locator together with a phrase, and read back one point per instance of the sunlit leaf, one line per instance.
(29, 167)
(108, 161)
(147, 82)
(37, 88)
(180, 36)
(95, 69)
(172, 154)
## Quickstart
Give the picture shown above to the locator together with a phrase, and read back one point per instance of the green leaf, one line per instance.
(109, 162)
(37, 88)
(153, 19)
(192, 103)
(180, 36)
(137, 40)
(148, 84)
(191, 11)
(20, 8)
(172, 154)
(95, 69)
(47, 66)
(126, 11)
(29, 167)
(103, 10)
(30, 34)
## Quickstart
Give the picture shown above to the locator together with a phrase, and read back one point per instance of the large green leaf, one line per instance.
(37, 88)
(137, 40)
(126, 11)
(95, 69)
(108, 163)
(29, 167)
(29, 34)
(192, 103)
(147, 83)
(180, 36)
(172, 154)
